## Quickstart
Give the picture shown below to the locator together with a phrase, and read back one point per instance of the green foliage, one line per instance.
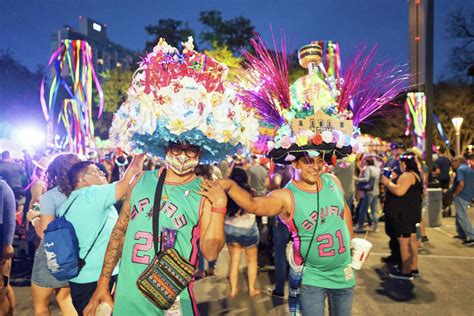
(115, 84)
(223, 55)
(234, 33)
(460, 27)
(19, 89)
(173, 31)
(454, 101)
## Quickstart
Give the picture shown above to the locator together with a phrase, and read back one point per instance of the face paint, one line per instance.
(181, 164)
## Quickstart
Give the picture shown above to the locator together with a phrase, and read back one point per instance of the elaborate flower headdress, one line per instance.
(182, 97)
(317, 113)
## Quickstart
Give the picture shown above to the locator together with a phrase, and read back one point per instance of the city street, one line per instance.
(444, 287)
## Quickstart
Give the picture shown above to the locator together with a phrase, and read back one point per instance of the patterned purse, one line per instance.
(169, 273)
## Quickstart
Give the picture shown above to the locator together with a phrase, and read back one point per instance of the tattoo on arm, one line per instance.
(114, 248)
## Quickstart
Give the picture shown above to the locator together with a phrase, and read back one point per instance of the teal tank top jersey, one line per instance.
(329, 258)
(180, 212)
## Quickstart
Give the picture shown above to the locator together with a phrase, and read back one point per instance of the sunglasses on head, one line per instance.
(189, 151)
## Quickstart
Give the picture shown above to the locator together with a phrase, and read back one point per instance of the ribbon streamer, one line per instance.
(74, 72)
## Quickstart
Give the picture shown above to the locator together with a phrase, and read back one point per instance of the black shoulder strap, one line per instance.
(67, 210)
(156, 209)
(92, 246)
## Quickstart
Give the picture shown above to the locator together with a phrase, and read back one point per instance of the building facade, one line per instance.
(106, 54)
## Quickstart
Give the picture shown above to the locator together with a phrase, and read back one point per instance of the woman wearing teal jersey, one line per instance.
(327, 272)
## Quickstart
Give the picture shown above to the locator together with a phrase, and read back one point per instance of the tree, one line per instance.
(460, 27)
(451, 101)
(234, 33)
(115, 84)
(173, 31)
(223, 55)
(19, 90)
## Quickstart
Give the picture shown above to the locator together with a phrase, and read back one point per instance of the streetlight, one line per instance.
(457, 122)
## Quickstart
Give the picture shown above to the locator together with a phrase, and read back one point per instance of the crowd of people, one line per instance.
(260, 197)
(136, 227)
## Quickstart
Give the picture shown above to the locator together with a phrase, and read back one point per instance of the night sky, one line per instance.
(26, 26)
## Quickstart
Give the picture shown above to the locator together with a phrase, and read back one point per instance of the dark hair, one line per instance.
(204, 170)
(73, 174)
(370, 161)
(409, 159)
(240, 177)
(442, 150)
(5, 155)
(56, 174)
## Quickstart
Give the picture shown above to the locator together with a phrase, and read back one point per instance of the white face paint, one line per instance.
(181, 164)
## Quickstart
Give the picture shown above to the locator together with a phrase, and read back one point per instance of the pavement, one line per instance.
(444, 288)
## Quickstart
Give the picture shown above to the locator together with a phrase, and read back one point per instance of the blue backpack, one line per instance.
(62, 248)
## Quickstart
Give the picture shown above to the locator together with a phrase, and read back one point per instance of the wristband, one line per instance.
(220, 210)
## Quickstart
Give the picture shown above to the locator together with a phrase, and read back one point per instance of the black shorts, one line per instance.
(403, 229)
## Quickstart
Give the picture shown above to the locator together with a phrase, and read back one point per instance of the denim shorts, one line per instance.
(245, 237)
(41, 275)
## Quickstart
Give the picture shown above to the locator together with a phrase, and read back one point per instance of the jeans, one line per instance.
(281, 235)
(371, 200)
(463, 224)
(312, 301)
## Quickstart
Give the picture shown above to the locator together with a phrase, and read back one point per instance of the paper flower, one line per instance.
(317, 139)
(327, 136)
(302, 140)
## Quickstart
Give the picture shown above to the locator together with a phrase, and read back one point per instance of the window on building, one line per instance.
(341, 124)
(320, 123)
(301, 123)
(329, 123)
(311, 123)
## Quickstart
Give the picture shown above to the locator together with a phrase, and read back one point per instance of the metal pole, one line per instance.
(458, 143)
(429, 83)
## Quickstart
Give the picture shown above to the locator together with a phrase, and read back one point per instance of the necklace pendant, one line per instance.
(164, 198)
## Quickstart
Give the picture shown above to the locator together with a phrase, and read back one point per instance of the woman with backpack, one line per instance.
(43, 284)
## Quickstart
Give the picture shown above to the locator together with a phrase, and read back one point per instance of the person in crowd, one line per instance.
(11, 172)
(279, 179)
(7, 230)
(444, 165)
(393, 164)
(241, 234)
(258, 177)
(43, 284)
(371, 197)
(345, 172)
(327, 272)
(33, 193)
(180, 181)
(402, 213)
(463, 192)
(91, 212)
(187, 213)
(206, 172)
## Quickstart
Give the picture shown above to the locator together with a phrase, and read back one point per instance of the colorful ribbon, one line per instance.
(74, 71)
